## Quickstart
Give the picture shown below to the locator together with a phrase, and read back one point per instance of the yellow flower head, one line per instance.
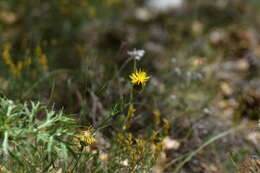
(86, 137)
(139, 77)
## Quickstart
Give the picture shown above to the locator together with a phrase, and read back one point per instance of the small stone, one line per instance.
(170, 143)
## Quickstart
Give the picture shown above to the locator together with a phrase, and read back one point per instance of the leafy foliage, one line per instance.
(33, 137)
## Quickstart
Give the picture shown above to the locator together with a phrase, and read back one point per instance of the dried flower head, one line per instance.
(136, 54)
(139, 77)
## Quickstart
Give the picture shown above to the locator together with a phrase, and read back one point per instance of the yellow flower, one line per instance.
(86, 137)
(139, 77)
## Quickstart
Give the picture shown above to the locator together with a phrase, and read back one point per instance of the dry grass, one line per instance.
(250, 165)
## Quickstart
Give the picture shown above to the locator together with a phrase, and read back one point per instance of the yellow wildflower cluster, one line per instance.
(137, 148)
(139, 151)
(157, 144)
(85, 137)
(14, 68)
(126, 140)
(134, 147)
(43, 61)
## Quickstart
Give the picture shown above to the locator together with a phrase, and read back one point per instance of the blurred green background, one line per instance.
(203, 57)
